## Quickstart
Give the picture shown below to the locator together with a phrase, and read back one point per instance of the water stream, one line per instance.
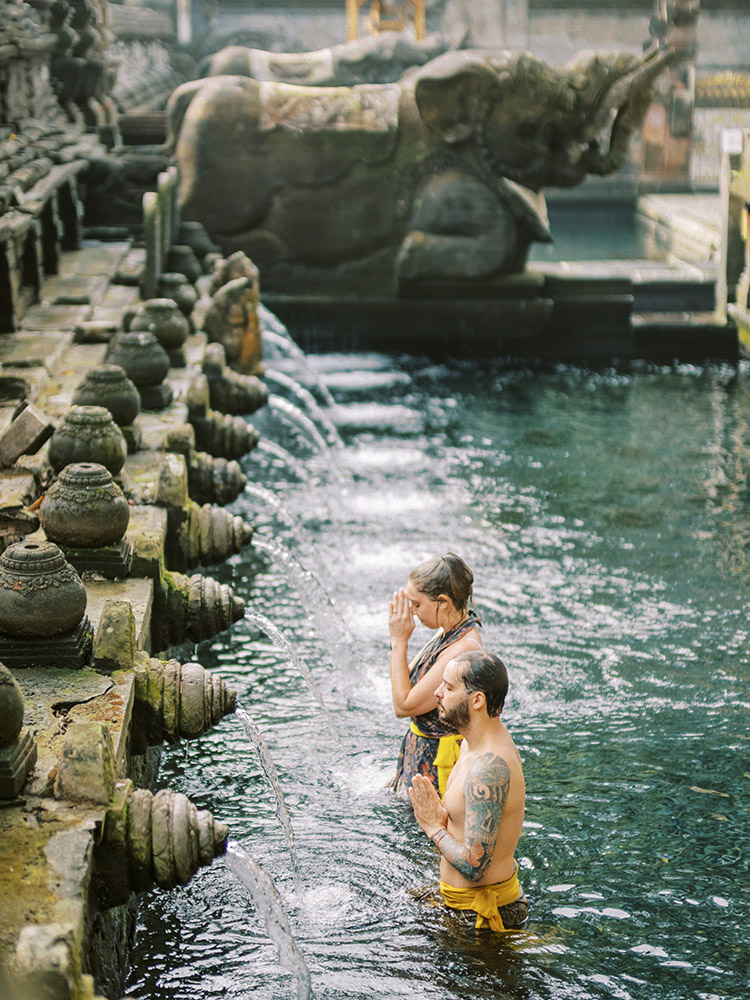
(280, 640)
(606, 516)
(255, 736)
(306, 397)
(269, 905)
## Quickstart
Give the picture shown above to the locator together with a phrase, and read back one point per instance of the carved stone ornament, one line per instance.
(141, 355)
(178, 289)
(17, 749)
(88, 434)
(84, 508)
(164, 318)
(11, 707)
(41, 595)
(109, 386)
(146, 363)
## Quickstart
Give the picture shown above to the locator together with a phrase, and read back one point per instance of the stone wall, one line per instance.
(552, 29)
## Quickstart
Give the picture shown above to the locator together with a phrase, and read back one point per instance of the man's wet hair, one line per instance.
(482, 671)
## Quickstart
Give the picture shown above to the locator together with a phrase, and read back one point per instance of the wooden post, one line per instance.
(352, 19)
(420, 22)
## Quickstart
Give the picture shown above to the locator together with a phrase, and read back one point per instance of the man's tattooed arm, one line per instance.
(486, 789)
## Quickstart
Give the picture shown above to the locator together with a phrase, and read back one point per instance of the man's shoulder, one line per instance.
(487, 775)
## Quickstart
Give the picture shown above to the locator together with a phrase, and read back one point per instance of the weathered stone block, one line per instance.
(115, 642)
(25, 435)
(87, 768)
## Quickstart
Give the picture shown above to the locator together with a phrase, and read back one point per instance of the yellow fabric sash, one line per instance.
(446, 756)
(484, 899)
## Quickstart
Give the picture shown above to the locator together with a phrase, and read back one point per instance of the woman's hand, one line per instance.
(400, 617)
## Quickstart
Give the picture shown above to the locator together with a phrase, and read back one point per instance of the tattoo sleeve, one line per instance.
(486, 789)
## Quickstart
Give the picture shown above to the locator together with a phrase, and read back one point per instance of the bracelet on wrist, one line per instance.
(438, 835)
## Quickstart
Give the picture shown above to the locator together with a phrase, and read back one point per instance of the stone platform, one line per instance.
(51, 834)
(659, 308)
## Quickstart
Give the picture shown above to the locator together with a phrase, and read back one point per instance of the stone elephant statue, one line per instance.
(438, 176)
(380, 58)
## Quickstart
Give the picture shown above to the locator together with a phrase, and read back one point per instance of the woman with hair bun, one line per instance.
(439, 593)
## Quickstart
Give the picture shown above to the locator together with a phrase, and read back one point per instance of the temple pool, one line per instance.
(607, 519)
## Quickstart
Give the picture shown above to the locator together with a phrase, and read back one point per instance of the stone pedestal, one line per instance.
(17, 748)
(16, 762)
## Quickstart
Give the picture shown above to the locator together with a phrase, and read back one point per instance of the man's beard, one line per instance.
(457, 716)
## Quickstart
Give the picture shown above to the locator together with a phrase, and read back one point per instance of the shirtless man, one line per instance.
(477, 825)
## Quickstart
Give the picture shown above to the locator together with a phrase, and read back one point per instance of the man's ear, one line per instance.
(478, 699)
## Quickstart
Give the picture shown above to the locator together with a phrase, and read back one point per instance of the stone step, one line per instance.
(691, 337)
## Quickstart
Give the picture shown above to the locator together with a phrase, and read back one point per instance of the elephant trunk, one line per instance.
(625, 103)
(634, 79)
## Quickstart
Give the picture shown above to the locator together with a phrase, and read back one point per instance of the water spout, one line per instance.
(305, 578)
(285, 344)
(307, 398)
(296, 418)
(270, 498)
(281, 641)
(272, 448)
(269, 769)
(267, 900)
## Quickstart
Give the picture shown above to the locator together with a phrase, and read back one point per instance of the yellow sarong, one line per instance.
(446, 756)
(485, 900)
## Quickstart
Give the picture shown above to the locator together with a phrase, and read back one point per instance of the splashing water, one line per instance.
(269, 498)
(294, 417)
(266, 447)
(306, 578)
(267, 900)
(269, 769)
(308, 400)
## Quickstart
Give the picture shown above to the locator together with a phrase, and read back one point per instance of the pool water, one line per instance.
(595, 231)
(606, 517)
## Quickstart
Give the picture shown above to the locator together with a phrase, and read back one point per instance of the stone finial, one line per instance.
(88, 434)
(109, 386)
(164, 318)
(17, 749)
(11, 707)
(146, 363)
(41, 595)
(43, 619)
(176, 287)
(84, 508)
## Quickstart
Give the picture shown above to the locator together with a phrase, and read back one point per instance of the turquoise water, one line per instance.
(606, 518)
(594, 231)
